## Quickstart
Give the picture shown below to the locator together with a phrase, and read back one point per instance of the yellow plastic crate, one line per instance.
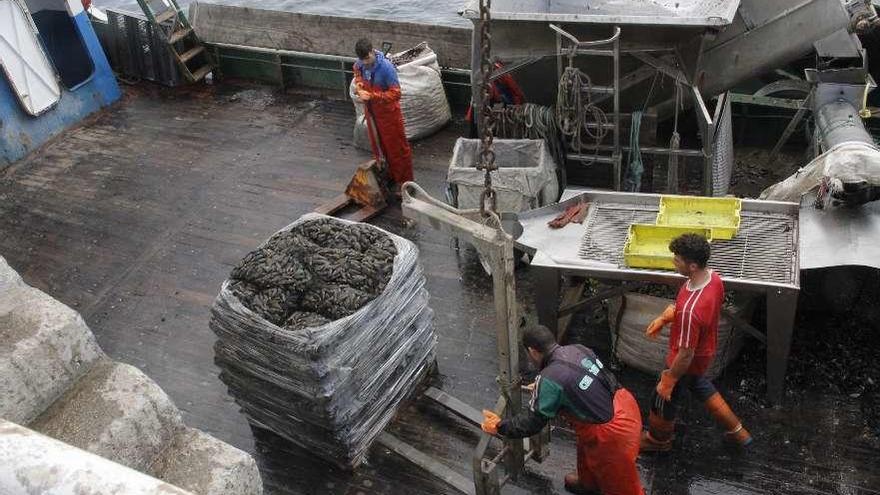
(722, 215)
(647, 246)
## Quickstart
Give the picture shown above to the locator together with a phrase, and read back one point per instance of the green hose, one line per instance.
(636, 168)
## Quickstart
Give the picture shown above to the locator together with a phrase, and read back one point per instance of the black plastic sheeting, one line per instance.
(330, 388)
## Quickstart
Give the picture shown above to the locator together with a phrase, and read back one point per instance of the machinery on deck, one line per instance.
(704, 48)
(763, 258)
(490, 233)
(838, 190)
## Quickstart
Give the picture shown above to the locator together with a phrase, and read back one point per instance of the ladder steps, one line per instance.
(172, 21)
(179, 35)
(201, 72)
(192, 52)
(165, 16)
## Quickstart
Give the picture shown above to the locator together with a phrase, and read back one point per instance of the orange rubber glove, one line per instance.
(664, 319)
(490, 422)
(667, 383)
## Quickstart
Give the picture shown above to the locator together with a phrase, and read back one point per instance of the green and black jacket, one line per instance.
(572, 380)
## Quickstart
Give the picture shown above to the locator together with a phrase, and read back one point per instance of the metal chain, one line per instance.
(487, 127)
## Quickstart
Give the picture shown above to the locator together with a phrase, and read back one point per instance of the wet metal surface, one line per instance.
(664, 12)
(136, 217)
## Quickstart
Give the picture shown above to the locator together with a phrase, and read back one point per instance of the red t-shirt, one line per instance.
(697, 311)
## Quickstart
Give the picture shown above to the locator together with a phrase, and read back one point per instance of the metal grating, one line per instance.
(762, 251)
(722, 153)
(607, 226)
(136, 50)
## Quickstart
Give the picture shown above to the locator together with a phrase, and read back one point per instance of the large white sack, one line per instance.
(422, 97)
(634, 348)
(852, 162)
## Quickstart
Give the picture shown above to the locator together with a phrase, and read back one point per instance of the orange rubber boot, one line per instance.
(658, 437)
(733, 427)
(573, 485)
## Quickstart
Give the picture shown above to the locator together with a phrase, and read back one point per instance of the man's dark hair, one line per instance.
(363, 47)
(539, 338)
(692, 248)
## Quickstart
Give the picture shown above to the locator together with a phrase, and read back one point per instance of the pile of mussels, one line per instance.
(317, 272)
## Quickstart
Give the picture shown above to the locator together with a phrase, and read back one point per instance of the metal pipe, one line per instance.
(838, 122)
(317, 56)
(652, 150)
(579, 44)
(617, 153)
(591, 158)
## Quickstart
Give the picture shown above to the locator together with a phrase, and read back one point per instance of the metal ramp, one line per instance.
(183, 43)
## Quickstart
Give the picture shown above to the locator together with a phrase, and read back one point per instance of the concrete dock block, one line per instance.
(45, 347)
(56, 379)
(31, 463)
(200, 463)
(117, 412)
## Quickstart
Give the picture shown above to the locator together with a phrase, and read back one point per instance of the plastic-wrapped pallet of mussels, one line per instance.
(323, 331)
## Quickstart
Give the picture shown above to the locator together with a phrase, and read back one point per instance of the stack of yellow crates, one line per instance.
(647, 245)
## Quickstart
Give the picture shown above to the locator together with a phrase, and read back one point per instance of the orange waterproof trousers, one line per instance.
(606, 453)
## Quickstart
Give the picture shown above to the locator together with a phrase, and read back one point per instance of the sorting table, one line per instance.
(762, 258)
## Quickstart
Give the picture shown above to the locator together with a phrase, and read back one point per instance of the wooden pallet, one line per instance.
(344, 207)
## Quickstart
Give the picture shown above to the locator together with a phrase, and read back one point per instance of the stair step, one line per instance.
(199, 463)
(166, 16)
(201, 72)
(192, 52)
(116, 412)
(179, 35)
(45, 347)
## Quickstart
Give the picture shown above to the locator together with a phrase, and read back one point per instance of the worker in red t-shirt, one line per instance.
(694, 319)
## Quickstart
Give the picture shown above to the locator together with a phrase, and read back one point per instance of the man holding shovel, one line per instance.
(379, 89)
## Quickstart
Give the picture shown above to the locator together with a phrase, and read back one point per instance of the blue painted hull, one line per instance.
(21, 133)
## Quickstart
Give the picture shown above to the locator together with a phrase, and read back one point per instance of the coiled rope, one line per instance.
(576, 115)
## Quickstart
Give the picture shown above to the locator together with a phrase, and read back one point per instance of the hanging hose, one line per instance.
(574, 107)
(636, 168)
(674, 145)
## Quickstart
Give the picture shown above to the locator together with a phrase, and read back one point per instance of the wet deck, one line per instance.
(136, 217)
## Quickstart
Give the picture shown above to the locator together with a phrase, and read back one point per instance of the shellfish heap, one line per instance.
(322, 332)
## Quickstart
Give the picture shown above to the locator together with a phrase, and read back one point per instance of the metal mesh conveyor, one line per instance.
(764, 254)
(762, 251)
